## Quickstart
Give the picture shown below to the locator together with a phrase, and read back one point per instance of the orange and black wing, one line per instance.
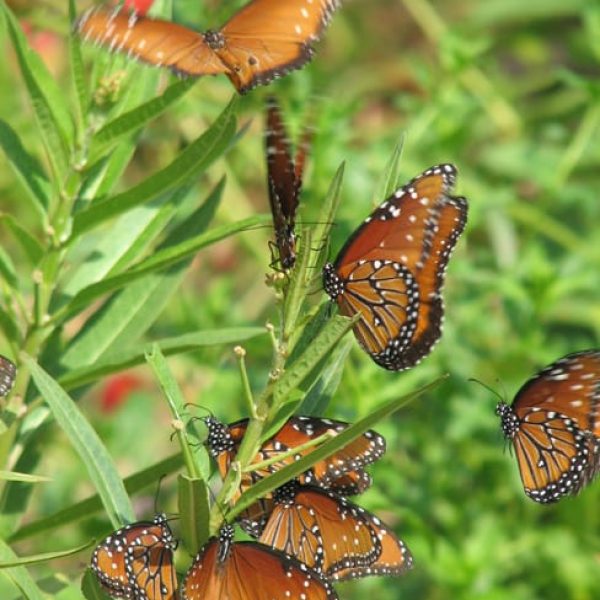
(268, 38)
(249, 571)
(324, 531)
(153, 41)
(136, 561)
(391, 270)
(554, 425)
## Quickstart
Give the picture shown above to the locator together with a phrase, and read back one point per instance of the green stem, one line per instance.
(241, 355)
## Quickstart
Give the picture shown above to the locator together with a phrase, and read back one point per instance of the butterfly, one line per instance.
(265, 39)
(8, 374)
(332, 535)
(343, 472)
(136, 561)
(391, 270)
(554, 426)
(228, 570)
(284, 179)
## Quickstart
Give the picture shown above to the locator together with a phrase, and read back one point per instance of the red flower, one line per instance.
(141, 7)
(117, 389)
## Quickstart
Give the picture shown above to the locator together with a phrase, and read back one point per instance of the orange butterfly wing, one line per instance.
(154, 41)
(392, 268)
(250, 571)
(268, 38)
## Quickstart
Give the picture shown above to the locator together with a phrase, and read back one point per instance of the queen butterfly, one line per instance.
(264, 40)
(8, 373)
(342, 472)
(391, 270)
(284, 179)
(250, 571)
(332, 535)
(136, 561)
(554, 426)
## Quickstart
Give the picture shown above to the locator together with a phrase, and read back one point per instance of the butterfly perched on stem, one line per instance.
(332, 535)
(343, 472)
(264, 40)
(284, 181)
(554, 426)
(136, 561)
(8, 374)
(391, 270)
(228, 570)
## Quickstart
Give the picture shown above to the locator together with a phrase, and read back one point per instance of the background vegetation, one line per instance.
(509, 92)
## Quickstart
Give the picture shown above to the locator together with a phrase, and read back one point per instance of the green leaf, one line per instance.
(90, 588)
(88, 445)
(268, 484)
(136, 118)
(77, 69)
(391, 175)
(19, 576)
(32, 248)
(27, 169)
(197, 463)
(7, 270)
(124, 359)
(160, 260)
(88, 507)
(194, 510)
(26, 477)
(327, 339)
(48, 103)
(45, 557)
(194, 160)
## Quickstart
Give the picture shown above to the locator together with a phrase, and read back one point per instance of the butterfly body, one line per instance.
(264, 40)
(391, 270)
(554, 426)
(8, 374)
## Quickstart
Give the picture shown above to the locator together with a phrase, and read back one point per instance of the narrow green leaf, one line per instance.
(32, 248)
(391, 175)
(90, 588)
(88, 445)
(325, 220)
(268, 484)
(19, 575)
(26, 477)
(190, 163)
(27, 169)
(77, 70)
(124, 359)
(158, 261)
(90, 506)
(327, 339)
(137, 117)
(45, 557)
(194, 510)
(47, 101)
(197, 463)
(7, 270)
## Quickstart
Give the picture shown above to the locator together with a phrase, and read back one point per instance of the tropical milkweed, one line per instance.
(343, 472)
(332, 535)
(264, 40)
(231, 570)
(8, 373)
(554, 426)
(284, 180)
(136, 561)
(391, 270)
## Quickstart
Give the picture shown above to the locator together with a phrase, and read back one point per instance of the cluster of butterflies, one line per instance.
(308, 533)
(390, 273)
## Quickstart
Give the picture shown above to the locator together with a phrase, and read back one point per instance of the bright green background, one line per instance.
(508, 91)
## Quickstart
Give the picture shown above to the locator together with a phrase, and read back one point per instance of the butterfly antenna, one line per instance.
(489, 388)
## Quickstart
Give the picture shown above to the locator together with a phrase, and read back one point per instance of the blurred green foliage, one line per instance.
(508, 91)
